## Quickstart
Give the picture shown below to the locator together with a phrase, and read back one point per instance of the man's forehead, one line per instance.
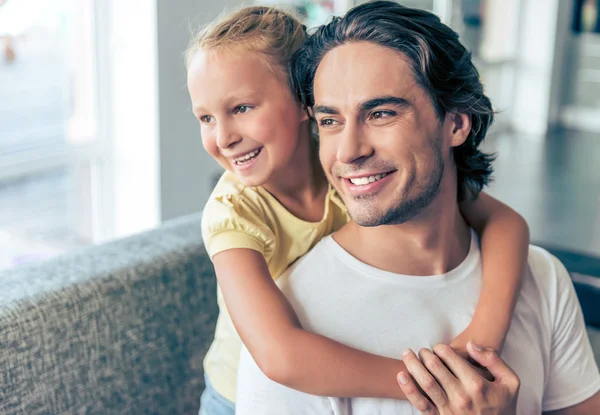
(358, 71)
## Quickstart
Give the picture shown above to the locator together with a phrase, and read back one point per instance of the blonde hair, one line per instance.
(269, 31)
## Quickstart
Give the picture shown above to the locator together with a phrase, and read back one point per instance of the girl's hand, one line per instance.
(474, 334)
(459, 345)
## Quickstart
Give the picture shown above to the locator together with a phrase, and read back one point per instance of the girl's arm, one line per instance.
(504, 237)
(287, 354)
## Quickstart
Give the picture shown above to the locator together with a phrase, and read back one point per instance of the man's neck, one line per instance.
(432, 244)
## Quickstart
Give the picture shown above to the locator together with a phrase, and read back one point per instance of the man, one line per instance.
(401, 114)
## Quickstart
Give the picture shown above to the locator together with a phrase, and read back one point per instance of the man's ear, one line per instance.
(457, 128)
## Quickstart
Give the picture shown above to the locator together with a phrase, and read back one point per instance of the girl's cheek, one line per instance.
(262, 130)
(210, 145)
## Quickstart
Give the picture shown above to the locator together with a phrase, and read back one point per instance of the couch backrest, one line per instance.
(120, 328)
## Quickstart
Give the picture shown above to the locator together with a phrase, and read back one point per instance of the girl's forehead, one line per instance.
(230, 65)
(217, 78)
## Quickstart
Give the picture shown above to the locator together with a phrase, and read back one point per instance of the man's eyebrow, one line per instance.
(386, 100)
(323, 109)
(367, 105)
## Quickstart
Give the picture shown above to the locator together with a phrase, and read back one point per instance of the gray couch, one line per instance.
(116, 329)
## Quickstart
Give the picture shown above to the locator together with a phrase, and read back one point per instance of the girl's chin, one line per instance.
(256, 175)
(246, 178)
(253, 180)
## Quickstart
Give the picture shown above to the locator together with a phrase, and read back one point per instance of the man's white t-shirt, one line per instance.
(342, 298)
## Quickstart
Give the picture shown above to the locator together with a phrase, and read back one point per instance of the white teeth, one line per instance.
(248, 156)
(361, 181)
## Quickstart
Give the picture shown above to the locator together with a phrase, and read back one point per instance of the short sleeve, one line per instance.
(259, 395)
(573, 373)
(227, 223)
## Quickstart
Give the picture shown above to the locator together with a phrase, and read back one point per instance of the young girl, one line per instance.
(273, 204)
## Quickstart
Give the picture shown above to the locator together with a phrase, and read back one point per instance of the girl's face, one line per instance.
(249, 121)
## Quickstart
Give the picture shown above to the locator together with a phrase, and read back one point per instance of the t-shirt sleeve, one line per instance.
(573, 373)
(258, 395)
(228, 224)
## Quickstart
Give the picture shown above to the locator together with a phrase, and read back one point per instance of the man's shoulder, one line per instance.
(547, 278)
(571, 372)
(545, 268)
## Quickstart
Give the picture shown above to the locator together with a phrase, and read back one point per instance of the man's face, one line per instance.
(381, 142)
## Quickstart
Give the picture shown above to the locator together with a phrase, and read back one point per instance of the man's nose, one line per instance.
(226, 136)
(353, 145)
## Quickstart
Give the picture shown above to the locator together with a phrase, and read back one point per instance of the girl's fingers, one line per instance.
(414, 396)
(496, 366)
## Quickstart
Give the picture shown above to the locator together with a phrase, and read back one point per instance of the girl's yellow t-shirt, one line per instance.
(237, 216)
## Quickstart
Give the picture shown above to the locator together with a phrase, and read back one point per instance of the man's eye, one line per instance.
(241, 109)
(206, 119)
(377, 115)
(325, 122)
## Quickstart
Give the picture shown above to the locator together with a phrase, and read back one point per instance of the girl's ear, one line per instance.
(310, 113)
(306, 113)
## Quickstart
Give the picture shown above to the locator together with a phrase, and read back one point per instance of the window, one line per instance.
(316, 12)
(313, 12)
(49, 145)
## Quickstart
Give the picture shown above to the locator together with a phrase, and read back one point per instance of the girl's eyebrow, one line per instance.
(229, 101)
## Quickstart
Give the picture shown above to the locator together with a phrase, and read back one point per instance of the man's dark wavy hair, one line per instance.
(441, 65)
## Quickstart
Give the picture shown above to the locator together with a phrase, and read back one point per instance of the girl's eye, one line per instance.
(241, 109)
(206, 119)
(326, 122)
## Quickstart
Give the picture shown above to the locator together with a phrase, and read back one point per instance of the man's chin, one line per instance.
(370, 215)
(367, 223)
(366, 216)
